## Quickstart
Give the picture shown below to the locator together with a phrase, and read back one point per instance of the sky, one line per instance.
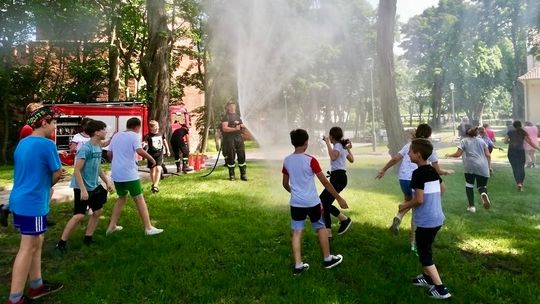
(408, 8)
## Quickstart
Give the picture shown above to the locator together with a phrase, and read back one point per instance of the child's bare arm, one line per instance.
(395, 159)
(79, 164)
(328, 186)
(285, 183)
(440, 170)
(417, 200)
(145, 154)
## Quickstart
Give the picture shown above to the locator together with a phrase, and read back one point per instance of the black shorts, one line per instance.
(96, 199)
(158, 158)
(299, 215)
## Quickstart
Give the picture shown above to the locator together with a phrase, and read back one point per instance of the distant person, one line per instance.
(483, 135)
(180, 148)
(157, 146)
(37, 168)
(122, 150)
(462, 127)
(428, 215)
(339, 152)
(490, 133)
(298, 171)
(530, 152)
(87, 190)
(515, 138)
(477, 163)
(80, 138)
(233, 142)
(405, 174)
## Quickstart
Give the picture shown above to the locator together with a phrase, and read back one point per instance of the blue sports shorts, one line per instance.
(30, 225)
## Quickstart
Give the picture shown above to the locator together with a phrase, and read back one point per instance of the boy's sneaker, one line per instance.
(153, 231)
(336, 260)
(116, 228)
(394, 228)
(485, 200)
(423, 280)
(471, 209)
(23, 300)
(438, 292)
(344, 226)
(88, 241)
(4, 213)
(299, 271)
(43, 290)
(60, 249)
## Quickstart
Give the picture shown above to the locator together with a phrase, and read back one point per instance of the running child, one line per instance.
(156, 146)
(87, 190)
(405, 175)
(338, 153)
(298, 172)
(477, 163)
(124, 145)
(428, 215)
(37, 168)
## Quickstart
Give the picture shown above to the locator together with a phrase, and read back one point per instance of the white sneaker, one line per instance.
(153, 231)
(117, 228)
(471, 209)
(485, 200)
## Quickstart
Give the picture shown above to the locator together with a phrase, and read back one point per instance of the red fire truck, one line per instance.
(115, 115)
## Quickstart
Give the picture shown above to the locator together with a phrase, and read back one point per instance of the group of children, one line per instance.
(419, 178)
(421, 184)
(37, 168)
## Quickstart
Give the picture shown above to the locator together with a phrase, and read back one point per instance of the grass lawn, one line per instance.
(229, 242)
(6, 176)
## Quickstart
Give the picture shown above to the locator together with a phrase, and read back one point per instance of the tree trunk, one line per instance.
(389, 104)
(519, 43)
(114, 54)
(436, 99)
(155, 64)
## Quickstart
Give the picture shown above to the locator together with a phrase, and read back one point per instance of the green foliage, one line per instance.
(473, 45)
(88, 80)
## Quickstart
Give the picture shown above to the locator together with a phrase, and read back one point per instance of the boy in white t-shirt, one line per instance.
(405, 174)
(298, 172)
(125, 175)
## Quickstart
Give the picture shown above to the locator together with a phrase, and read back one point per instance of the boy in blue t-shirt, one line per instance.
(428, 215)
(37, 168)
(87, 190)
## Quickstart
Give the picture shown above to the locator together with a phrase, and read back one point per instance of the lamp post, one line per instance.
(453, 112)
(373, 135)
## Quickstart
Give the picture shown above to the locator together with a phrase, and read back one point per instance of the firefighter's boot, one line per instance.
(243, 175)
(231, 174)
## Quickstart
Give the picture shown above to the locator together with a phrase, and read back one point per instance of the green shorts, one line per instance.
(134, 188)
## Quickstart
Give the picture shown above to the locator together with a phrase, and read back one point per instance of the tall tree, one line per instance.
(155, 64)
(386, 23)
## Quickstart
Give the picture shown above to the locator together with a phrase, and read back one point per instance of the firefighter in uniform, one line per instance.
(233, 143)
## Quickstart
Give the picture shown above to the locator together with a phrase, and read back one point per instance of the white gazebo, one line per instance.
(531, 81)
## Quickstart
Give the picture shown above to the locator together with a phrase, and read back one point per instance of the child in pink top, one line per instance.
(530, 152)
